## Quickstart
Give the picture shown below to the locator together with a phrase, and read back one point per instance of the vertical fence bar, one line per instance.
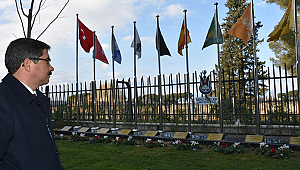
(287, 94)
(164, 100)
(275, 97)
(264, 97)
(173, 97)
(143, 98)
(169, 100)
(281, 96)
(270, 97)
(293, 98)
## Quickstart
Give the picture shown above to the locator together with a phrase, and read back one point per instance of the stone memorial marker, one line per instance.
(151, 133)
(254, 138)
(124, 132)
(66, 128)
(83, 129)
(294, 140)
(180, 135)
(215, 136)
(103, 130)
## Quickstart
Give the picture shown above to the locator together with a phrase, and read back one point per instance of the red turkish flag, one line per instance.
(85, 37)
(99, 53)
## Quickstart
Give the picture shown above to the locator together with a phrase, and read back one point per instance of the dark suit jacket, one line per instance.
(26, 132)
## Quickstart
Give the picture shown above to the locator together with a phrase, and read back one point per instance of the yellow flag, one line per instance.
(285, 25)
(242, 29)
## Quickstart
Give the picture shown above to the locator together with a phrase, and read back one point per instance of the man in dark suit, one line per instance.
(26, 132)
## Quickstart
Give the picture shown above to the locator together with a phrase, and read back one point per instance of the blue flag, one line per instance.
(116, 51)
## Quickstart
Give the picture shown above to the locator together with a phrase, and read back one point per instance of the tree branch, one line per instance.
(36, 13)
(21, 5)
(29, 29)
(54, 19)
(20, 19)
(40, 5)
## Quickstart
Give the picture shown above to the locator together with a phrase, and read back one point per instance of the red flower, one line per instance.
(223, 144)
(73, 136)
(181, 142)
(226, 145)
(273, 150)
(120, 138)
(96, 136)
(151, 142)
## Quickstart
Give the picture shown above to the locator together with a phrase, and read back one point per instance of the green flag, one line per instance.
(211, 37)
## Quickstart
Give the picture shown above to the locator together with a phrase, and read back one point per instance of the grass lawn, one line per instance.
(82, 155)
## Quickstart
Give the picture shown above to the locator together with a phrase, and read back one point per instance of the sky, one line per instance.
(100, 15)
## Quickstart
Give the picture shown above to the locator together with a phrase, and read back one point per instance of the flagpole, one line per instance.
(77, 101)
(187, 72)
(135, 81)
(159, 77)
(113, 67)
(158, 46)
(94, 82)
(219, 72)
(297, 55)
(256, 74)
(94, 54)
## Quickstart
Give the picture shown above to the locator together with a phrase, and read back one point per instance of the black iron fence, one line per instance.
(278, 101)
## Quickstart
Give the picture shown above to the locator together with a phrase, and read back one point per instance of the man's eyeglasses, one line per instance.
(47, 59)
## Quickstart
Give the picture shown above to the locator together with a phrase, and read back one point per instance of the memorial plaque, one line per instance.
(124, 132)
(83, 129)
(215, 136)
(66, 128)
(103, 130)
(151, 133)
(180, 135)
(295, 141)
(254, 138)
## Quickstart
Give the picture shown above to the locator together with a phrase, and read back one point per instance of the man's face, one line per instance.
(42, 70)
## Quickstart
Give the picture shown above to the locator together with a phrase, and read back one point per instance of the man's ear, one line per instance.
(27, 64)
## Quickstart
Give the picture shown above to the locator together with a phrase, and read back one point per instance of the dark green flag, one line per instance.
(211, 37)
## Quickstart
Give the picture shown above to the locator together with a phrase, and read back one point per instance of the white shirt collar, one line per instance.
(29, 89)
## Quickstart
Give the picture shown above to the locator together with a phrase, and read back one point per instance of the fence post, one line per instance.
(160, 104)
(94, 101)
(114, 103)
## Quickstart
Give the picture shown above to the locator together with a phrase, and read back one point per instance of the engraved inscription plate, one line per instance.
(215, 136)
(151, 133)
(295, 141)
(124, 132)
(103, 130)
(83, 129)
(180, 135)
(66, 128)
(254, 138)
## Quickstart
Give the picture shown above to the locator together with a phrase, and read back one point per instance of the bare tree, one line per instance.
(32, 16)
